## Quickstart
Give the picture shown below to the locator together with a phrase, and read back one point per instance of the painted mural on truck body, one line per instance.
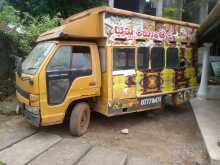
(136, 89)
(133, 28)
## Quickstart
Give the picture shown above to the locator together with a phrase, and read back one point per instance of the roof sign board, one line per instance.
(133, 28)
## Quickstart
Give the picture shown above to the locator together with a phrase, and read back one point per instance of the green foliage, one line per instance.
(24, 27)
(52, 7)
(29, 18)
(20, 43)
(9, 14)
(170, 12)
(41, 24)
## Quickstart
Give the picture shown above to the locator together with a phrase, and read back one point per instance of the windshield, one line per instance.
(34, 60)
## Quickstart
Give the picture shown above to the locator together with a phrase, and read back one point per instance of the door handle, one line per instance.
(92, 83)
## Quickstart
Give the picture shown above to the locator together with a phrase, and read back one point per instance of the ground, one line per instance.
(207, 116)
(170, 137)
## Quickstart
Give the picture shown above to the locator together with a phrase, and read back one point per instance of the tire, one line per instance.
(79, 119)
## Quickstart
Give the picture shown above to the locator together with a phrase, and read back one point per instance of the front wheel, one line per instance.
(79, 119)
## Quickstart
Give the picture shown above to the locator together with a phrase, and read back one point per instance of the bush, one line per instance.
(25, 28)
(52, 7)
(170, 12)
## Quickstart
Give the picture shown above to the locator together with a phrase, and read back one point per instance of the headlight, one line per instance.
(34, 100)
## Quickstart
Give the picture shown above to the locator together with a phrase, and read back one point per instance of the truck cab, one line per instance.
(55, 77)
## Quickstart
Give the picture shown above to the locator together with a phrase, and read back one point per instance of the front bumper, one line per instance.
(31, 114)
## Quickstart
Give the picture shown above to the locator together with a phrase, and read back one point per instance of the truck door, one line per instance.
(71, 74)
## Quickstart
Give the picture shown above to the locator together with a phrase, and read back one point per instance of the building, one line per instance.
(209, 41)
(186, 10)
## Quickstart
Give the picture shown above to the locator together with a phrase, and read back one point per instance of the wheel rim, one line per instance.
(83, 120)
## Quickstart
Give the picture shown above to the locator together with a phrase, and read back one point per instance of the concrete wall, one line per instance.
(8, 51)
(5, 60)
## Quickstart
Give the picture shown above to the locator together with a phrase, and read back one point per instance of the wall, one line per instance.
(8, 51)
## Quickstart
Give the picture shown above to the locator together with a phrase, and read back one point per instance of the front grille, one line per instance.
(22, 92)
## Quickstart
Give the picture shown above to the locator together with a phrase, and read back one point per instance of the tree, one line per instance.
(52, 7)
(25, 28)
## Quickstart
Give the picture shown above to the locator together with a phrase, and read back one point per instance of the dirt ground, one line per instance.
(169, 137)
(5, 118)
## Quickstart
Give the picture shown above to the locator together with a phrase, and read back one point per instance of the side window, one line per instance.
(61, 59)
(143, 58)
(157, 58)
(81, 58)
(123, 58)
(172, 58)
(102, 57)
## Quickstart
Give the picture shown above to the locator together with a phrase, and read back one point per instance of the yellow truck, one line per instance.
(107, 60)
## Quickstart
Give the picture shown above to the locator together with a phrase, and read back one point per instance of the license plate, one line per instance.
(142, 102)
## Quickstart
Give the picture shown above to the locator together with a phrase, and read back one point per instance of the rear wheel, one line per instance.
(79, 119)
